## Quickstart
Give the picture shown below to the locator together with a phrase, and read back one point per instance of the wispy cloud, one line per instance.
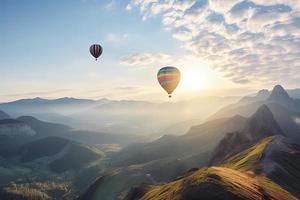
(112, 37)
(110, 5)
(246, 41)
(143, 59)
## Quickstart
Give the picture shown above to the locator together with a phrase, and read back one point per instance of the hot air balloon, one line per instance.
(96, 50)
(168, 78)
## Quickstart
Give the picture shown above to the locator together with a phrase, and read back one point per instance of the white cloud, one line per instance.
(246, 40)
(116, 37)
(143, 59)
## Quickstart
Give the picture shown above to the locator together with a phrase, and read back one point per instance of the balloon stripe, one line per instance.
(164, 78)
(167, 82)
(169, 74)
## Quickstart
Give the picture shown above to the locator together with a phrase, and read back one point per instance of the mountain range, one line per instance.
(53, 157)
(248, 149)
(285, 109)
(227, 157)
(123, 117)
(251, 174)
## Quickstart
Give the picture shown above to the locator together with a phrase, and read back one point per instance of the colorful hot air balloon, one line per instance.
(168, 78)
(96, 50)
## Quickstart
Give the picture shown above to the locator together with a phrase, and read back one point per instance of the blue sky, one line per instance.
(44, 46)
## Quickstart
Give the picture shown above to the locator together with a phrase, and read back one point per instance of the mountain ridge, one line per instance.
(260, 125)
(286, 111)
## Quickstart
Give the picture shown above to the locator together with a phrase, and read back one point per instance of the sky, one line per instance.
(222, 47)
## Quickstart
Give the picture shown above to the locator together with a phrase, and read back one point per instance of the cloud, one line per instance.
(143, 59)
(245, 40)
(110, 5)
(112, 37)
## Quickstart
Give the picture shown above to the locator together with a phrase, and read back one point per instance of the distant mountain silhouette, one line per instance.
(3, 115)
(260, 96)
(261, 124)
(200, 139)
(279, 94)
(113, 116)
(285, 109)
(44, 129)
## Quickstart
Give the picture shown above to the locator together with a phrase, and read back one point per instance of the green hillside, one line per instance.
(77, 157)
(215, 183)
(255, 173)
(274, 157)
(248, 159)
(43, 147)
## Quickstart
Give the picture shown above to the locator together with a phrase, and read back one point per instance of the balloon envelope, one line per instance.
(168, 78)
(96, 50)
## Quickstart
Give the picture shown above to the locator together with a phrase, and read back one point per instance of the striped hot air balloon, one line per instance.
(168, 78)
(96, 50)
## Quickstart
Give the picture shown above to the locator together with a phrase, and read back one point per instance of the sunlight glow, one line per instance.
(193, 79)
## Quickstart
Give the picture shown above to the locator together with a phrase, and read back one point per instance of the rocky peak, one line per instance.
(263, 94)
(279, 94)
(262, 124)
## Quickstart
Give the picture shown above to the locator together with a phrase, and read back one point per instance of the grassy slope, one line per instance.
(235, 179)
(217, 183)
(248, 159)
(284, 164)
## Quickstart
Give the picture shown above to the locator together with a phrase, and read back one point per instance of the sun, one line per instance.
(193, 79)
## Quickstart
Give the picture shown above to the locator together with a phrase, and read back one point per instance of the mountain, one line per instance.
(40, 105)
(295, 93)
(200, 140)
(235, 179)
(14, 133)
(217, 140)
(260, 96)
(42, 148)
(15, 128)
(111, 185)
(124, 116)
(3, 115)
(285, 109)
(260, 125)
(276, 157)
(52, 110)
(214, 183)
(264, 94)
(44, 129)
(58, 153)
(279, 94)
(161, 160)
(77, 157)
